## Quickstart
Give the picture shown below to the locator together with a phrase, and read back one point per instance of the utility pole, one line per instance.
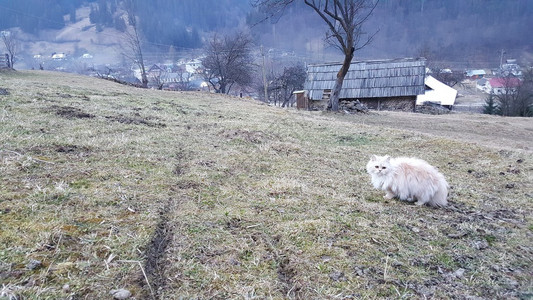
(502, 52)
(265, 83)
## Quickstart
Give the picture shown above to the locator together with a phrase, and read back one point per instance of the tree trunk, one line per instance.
(144, 78)
(334, 99)
(11, 61)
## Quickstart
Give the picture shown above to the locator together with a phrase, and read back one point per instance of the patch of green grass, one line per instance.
(490, 239)
(80, 184)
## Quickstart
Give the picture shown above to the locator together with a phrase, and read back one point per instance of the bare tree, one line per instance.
(157, 79)
(524, 105)
(515, 98)
(228, 61)
(511, 97)
(284, 85)
(12, 46)
(133, 43)
(344, 19)
(438, 68)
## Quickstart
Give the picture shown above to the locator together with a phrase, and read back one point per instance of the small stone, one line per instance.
(457, 235)
(481, 245)
(66, 288)
(326, 258)
(120, 294)
(337, 276)
(34, 264)
(509, 186)
(512, 282)
(396, 264)
(459, 273)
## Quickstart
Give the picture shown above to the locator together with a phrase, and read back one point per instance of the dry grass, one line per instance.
(189, 195)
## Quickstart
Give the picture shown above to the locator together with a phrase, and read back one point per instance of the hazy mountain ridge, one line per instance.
(461, 33)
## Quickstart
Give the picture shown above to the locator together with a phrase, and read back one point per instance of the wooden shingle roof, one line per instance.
(369, 79)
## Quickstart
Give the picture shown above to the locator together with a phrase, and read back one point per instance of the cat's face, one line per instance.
(379, 165)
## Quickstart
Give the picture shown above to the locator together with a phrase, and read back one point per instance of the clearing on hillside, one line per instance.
(173, 195)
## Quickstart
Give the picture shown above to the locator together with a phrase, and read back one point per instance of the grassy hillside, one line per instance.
(191, 195)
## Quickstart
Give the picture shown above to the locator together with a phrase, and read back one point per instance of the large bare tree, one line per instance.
(228, 61)
(344, 19)
(9, 38)
(133, 46)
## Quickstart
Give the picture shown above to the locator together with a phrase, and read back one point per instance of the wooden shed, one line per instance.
(379, 84)
(301, 99)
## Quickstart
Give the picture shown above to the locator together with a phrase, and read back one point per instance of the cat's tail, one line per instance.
(441, 195)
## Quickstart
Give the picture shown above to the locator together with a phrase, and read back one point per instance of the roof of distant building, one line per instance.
(369, 79)
(499, 82)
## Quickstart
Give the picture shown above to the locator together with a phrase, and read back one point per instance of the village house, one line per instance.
(392, 84)
(475, 74)
(499, 86)
(59, 56)
(483, 85)
(4, 61)
(510, 68)
(192, 66)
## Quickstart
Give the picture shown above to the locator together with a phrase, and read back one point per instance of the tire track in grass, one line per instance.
(155, 266)
(154, 279)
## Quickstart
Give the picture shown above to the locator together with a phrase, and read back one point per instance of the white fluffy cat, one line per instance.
(409, 179)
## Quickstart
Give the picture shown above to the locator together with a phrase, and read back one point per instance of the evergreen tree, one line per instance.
(491, 107)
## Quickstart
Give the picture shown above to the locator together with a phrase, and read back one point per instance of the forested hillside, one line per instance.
(35, 15)
(166, 22)
(456, 31)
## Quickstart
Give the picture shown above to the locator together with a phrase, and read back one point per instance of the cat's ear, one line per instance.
(373, 157)
(387, 158)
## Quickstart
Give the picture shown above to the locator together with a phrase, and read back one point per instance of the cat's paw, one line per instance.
(388, 196)
(418, 203)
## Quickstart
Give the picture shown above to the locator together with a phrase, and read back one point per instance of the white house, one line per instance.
(483, 85)
(192, 66)
(498, 86)
(437, 92)
(59, 56)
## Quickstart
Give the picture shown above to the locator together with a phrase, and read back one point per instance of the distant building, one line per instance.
(59, 56)
(4, 61)
(390, 84)
(509, 68)
(499, 85)
(483, 85)
(193, 66)
(475, 74)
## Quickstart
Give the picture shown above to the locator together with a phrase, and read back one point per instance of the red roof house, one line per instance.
(499, 85)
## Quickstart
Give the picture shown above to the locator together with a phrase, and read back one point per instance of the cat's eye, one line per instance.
(384, 168)
(377, 167)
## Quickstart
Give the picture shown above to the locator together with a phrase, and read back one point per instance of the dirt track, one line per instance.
(491, 131)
